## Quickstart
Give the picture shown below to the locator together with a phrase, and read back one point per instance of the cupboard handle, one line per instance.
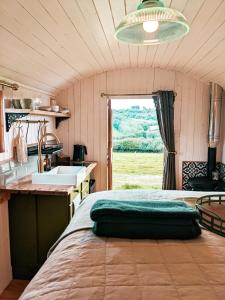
(73, 209)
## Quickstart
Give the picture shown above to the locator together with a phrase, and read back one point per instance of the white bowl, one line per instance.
(55, 108)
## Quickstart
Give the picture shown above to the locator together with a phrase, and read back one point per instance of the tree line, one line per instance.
(136, 130)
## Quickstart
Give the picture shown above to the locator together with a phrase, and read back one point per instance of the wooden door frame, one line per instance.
(110, 145)
(110, 131)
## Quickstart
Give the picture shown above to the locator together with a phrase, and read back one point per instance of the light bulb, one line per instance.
(150, 26)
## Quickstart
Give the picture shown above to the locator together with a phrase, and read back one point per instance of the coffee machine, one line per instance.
(79, 152)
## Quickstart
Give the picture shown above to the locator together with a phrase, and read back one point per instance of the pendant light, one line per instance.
(151, 24)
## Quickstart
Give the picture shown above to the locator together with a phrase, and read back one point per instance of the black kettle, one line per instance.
(78, 152)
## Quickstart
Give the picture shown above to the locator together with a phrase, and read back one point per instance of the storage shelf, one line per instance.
(13, 114)
(36, 112)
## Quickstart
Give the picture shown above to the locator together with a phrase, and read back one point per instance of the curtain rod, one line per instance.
(132, 95)
(127, 95)
(13, 86)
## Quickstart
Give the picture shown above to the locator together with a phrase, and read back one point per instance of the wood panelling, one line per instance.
(49, 44)
(89, 123)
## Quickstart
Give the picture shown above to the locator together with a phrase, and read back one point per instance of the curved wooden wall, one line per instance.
(88, 124)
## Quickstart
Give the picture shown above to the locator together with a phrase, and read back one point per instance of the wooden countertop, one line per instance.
(25, 186)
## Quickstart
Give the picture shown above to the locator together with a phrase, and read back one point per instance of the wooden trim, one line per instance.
(14, 289)
(37, 112)
(4, 196)
(2, 144)
(91, 167)
(110, 145)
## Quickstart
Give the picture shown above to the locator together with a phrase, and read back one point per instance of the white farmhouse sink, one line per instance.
(62, 175)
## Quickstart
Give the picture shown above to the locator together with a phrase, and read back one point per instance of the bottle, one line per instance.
(47, 163)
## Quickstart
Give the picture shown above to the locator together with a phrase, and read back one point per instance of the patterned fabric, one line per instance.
(191, 169)
(222, 171)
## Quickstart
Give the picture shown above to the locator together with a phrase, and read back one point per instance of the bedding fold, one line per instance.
(145, 219)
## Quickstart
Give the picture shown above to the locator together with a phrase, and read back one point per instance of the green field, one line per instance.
(137, 170)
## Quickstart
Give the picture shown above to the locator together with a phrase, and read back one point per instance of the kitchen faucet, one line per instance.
(40, 144)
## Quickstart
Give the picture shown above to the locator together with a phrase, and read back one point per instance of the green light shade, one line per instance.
(172, 25)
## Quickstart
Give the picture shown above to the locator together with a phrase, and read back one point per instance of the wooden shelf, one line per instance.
(37, 112)
(13, 114)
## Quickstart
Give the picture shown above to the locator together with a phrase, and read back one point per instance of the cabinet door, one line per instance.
(53, 216)
(75, 199)
(85, 187)
(23, 232)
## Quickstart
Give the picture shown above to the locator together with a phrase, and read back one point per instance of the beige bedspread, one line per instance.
(84, 266)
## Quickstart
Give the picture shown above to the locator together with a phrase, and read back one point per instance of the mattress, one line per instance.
(84, 266)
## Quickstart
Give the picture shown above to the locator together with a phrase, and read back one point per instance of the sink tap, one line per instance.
(40, 143)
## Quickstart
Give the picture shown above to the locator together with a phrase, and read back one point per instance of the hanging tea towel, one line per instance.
(21, 147)
(15, 137)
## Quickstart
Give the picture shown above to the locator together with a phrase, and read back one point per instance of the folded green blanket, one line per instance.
(142, 209)
(145, 219)
(147, 230)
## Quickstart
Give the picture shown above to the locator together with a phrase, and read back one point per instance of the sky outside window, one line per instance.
(127, 103)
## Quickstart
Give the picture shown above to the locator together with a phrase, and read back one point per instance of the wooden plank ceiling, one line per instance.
(48, 44)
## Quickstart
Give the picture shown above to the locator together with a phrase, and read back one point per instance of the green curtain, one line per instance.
(164, 104)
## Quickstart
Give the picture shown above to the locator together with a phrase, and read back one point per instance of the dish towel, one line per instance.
(21, 148)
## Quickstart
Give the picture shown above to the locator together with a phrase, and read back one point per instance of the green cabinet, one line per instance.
(36, 222)
(23, 232)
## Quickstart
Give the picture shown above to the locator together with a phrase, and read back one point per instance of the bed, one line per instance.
(84, 266)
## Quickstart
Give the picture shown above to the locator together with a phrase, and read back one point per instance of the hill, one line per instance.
(136, 130)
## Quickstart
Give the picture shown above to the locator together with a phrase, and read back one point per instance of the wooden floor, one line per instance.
(14, 290)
